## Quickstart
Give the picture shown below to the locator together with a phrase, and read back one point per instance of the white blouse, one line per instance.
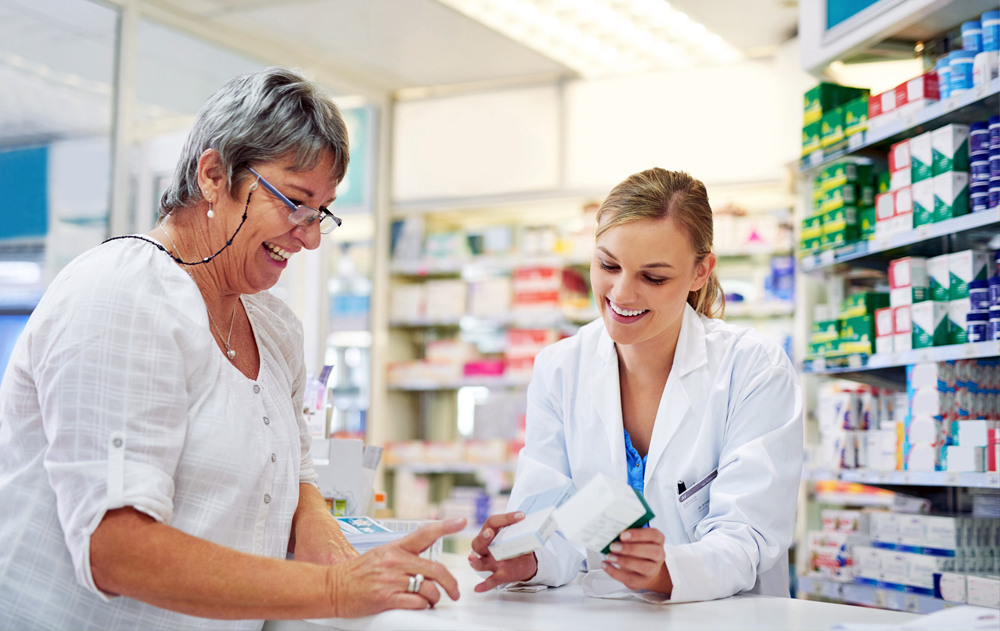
(116, 394)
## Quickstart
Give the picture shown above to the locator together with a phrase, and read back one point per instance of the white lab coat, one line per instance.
(732, 402)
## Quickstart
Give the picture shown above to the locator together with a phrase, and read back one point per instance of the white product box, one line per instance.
(950, 586)
(881, 449)
(967, 266)
(920, 569)
(930, 326)
(973, 433)
(489, 297)
(921, 156)
(893, 566)
(939, 278)
(446, 299)
(902, 318)
(908, 281)
(525, 536)
(837, 411)
(884, 344)
(600, 511)
(407, 302)
(957, 324)
(946, 143)
(884, 322)
(922, 457)
(884, 527)
(903, 204)
(932, 402)
(899, 165)
(951, 195)
(959, 458)
(868, 563)
(930, 376)
(940, 533)
(923, 202)
(983, 591)
(924, 429)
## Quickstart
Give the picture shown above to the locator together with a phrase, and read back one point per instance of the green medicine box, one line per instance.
(836, 238)
(856, 116)
(825, 331)
(809, 246)
(866, 221)
(845, 217)
(863, 304)
(848, 195)
(857, 329)
(812, 227)
(822, 98)
(883, 182)
(831, 130)
(822, 349)
(841, 173)
(811, 138)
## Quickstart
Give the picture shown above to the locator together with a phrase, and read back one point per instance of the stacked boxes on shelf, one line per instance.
(843, 207)
(831, 550)
(984, 164)
(952, 417)
(852, 332)
(930, 555)
(831, 113)
(976, 63)
(858, 429)
(907, 97)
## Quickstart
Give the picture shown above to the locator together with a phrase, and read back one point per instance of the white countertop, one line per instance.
(567, 608)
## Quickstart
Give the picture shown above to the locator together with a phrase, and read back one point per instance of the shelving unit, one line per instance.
(865, 260)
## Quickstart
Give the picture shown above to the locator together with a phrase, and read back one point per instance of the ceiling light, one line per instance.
(603, 37)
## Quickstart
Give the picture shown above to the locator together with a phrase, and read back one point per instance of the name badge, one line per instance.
(694, 501)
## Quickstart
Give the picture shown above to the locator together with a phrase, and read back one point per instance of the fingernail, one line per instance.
(612, 558)
(605, 564)
(487, 533)
(455, 521)
(518, 515)
(626, 536)
(616, 547)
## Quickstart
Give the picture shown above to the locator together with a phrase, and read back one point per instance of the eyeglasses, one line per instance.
(301, 214)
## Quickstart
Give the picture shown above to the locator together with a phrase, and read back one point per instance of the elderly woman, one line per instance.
(154, 464)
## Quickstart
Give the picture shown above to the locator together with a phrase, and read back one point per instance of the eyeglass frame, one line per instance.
(319, 213)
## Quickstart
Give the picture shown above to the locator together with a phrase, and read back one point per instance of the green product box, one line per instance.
(921, 158)
(831, 131)
(817, 195)
(822, 349)
(866, 220)
(957, 329)
(862, 304)
(822, 98)
(951, 195)
(811, 138)
(812, 227)
(841, 173)
(965, 267)
(939, 278)
(858, 329)
(809, 246)
(857, 347)
(825, 331)
(846, 217)
(950, 149)
(848, 195)
(856, 116)
(837, 238)
(923, 202)
(883, 182)
(930, 323)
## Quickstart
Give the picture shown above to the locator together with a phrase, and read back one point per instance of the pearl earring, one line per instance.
(210, 213)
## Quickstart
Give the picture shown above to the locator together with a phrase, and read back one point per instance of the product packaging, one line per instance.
(939, 278)
(957, 329)
(965, 267)
(899, 164)
(831, 130)
(885, 212)
(930, 324)
(921, 158)
(863, 303)
(950, 587)
(856, 116)
(811, 138)
(903, 325)
(923, 202)
(950, 146)
(525, 536)
(951, 195)
(903, 204)
(600, 511)
(908, 281)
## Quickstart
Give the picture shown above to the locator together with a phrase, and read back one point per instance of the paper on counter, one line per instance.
(952, 619)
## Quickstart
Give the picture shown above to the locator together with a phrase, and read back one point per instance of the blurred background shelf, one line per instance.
(867, 596)
(990, 480)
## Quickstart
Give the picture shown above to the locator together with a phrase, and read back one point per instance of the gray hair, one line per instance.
(258, 117)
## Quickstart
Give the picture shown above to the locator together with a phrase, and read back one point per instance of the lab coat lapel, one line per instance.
(605, 395)
(689, 356)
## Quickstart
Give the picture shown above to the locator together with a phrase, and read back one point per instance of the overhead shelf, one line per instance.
(455, 266)
(433, 386)
(525, 319)
(868, 596)
(989, 480)
(977, 104)
(453, 467)
(774, 309)
(964, 232)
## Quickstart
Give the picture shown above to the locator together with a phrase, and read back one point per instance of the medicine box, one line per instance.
(960, 458)
(951, 195)
(858, 329)
(921, 158)
(882, 182)
(923, 202)
(899, 165)
(957, 329)
(856, 116)
(908, 282)
(950, 587)
(983, 591)
(903, 206)
(917, 91)
(921, 456)
(525, 536)
(825, 331)
(847, 195)
(923, 429)
(950, 147)
(866, 222)
(600, 511)
(821, 98)
(902, 318)
(841, 173)
(939, 278)
(884, 322)
(885, 208)
(831, 130)
(965, 267)
(881, 104)
(930, 323)
(811, 138)
(863, 303)
(972, 433)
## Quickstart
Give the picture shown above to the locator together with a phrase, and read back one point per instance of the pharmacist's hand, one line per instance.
(520, 568)
(638, 561)
(378, 579)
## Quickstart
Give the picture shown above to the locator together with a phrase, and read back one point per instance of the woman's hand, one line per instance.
(378, 580)
(520, 568)
(638, 561)
(316, 536)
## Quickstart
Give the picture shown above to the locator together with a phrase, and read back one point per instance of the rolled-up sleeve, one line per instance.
(111, 382)
(752, 501)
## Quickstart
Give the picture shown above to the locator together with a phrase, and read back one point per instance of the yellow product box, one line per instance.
(831, 132)
(811, 138)
(856, 116)
(841, 173)
(848, 195)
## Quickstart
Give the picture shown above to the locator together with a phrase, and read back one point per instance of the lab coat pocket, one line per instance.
(693, 502)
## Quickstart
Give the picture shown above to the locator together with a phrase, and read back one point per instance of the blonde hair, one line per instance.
(661, 194)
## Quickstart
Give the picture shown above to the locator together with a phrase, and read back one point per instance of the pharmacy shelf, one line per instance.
(747, 251)
(452, 467)
(454, 266)
(525, 319)
(977, 104)
(990, 480)
(922, 241)
(435, 386)
(893, 363)
(868, 596)
(759, 310)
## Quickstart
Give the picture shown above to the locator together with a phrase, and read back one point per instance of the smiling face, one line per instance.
(641, 274)
(261, 250)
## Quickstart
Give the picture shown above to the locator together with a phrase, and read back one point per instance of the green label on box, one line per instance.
(945, 162)
(858, 329)
(927, 339)
(958, 207)
(939, 292)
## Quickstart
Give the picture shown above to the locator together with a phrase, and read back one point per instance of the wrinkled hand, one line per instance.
(520, 568)
(319, 540)
(638, 561)
(377, 580)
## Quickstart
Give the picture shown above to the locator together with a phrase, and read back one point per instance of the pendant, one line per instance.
(231, 354)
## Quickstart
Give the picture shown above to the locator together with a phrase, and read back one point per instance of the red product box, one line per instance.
(881, 104)
(902, 319)
(885, 208)
(899, 156)
(884, 322)
(992, 448)
(484, 368)
(924, 87)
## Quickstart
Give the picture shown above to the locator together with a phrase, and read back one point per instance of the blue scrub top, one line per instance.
(635, 465)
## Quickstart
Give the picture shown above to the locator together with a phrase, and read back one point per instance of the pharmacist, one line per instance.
(662, 395)
(154, 465)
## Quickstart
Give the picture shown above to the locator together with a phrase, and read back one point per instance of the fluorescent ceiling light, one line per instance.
(603, 37)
